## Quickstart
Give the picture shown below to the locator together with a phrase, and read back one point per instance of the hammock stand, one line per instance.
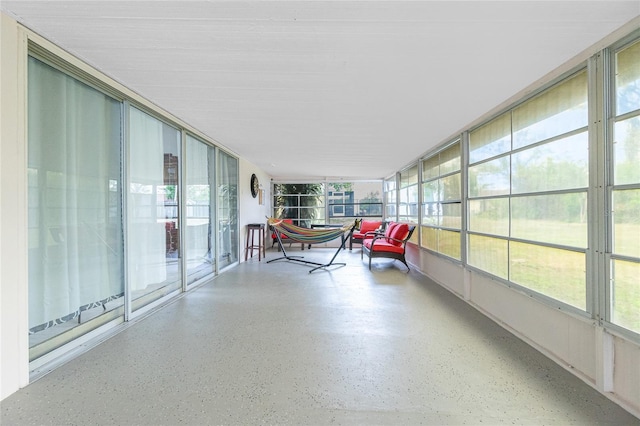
(309, 236)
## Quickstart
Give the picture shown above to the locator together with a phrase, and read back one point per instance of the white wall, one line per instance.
(250, 209)
(608, 362)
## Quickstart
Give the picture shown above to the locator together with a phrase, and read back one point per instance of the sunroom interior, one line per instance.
(507, 133)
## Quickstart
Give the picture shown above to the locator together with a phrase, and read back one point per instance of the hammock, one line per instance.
(309, 236)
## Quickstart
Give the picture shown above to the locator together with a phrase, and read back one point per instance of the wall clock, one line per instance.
(255, 185)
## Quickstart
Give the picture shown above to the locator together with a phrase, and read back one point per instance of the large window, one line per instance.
(75, 211)
(624, 293)
(442, 202)
(528, 182)
(321, 203)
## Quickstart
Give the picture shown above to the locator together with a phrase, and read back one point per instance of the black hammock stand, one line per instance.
(309, 236)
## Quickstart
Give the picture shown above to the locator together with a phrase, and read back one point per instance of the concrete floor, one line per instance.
(273, 344)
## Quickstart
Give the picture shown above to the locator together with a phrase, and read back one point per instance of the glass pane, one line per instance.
(489, 254)
(431, 213)
(559, 110)
(628, 79)
(153, 229)
(626, 222)
(449, 243)
(451, 187)
(626, 151)
(562, 164)
(227, 182)
(450, 159)
(490, 178)
(490, 140)
(558, 219)
(430, 191)
(625, 298)
(452, 215)
(430, 168)
(199, 245)
(390, 184)
(489, 216)
(429, 238)
(75, 259)
(559, 274)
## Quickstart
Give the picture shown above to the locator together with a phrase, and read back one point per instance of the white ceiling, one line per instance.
(315, 89)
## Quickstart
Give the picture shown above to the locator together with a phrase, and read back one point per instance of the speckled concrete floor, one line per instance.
(273, 344)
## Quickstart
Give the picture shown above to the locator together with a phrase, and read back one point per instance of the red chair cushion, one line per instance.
(399, 232)
(369, 226)
(282, 236)
(381, 245)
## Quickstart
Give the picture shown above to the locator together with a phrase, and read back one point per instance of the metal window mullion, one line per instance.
(464, 194)
(182, 220)
(125, 161)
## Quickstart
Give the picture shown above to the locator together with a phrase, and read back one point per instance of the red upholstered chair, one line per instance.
(391, 245)
(366, 226)
(283, 237)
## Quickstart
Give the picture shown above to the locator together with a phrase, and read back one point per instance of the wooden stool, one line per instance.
(251, 228)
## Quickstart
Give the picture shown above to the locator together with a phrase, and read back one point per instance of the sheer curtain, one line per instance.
(199, 245)
(146, 230)
(75, 221)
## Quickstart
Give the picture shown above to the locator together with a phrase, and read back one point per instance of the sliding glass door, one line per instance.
(153, 228)
(227, 183)
(199, 210)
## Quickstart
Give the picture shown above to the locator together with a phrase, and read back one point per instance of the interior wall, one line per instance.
(567, 338)
(14, 368)
(251, 211)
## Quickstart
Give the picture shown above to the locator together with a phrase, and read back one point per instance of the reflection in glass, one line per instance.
(199, 241)
(489, 254)
(551, 218)
(626, 151)
(153, 228)
(489, 216)
(560, 274)
(75, 227)
(625, 294)
(561, 164)
(626, 222)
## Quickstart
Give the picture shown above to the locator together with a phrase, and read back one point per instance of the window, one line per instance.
(624, 214)
(408, 196)
(442, 201)
(528, 181)
(391, 199)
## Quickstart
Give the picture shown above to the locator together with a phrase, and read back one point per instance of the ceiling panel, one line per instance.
(318, 89)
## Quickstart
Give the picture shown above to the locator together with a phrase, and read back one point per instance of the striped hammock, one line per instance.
(308, 235)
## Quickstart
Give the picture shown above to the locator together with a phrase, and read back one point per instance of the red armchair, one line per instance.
(391, 244)
(366, 226)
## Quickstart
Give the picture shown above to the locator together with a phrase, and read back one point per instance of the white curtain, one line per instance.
(146, 230)
(75, 225)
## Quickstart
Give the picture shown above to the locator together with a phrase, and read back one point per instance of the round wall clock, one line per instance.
(255, 186)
